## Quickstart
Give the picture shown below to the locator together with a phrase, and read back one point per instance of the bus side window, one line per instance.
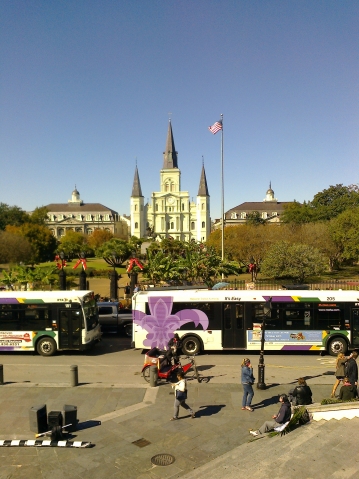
(297, 316)
(9, 317)
(239, 316)
(227, 316)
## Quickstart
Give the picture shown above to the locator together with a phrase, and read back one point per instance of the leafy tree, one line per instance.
(345, 233)
(297, 213)
(334, 200)
(39, 215)
(72, 243)
(296, 261)
(121, 248)
(43, 244)
(12, 215)
(14, 248)
(98, 238)
(326, 204)
(255, 219)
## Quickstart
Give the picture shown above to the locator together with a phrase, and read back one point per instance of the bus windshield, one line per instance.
(91, 314)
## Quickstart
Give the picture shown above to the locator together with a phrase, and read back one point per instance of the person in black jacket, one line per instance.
(351, 369)
(174, 344)
(301, 395)
(282, 417)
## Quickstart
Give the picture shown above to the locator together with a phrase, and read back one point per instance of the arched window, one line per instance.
(192, 225)
(136, 225)
(135, 207)
(172, 187)
(172, 225)
(167, 187)
(203, 224)
(202, 206)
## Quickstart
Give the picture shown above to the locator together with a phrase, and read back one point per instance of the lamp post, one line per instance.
(261, 366)
(62, 272)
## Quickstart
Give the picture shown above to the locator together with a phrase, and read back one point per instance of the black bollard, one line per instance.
(153, 376)
(74, 376)
(1, 374)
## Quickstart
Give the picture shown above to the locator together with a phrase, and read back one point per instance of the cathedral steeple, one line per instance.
(136, 188)
(170, 153)
(203, 188)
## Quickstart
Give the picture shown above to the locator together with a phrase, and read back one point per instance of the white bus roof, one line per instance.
(45, 296)
(253, 295)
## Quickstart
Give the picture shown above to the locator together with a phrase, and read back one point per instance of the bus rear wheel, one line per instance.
(46, 347)
(336, 346)
(191, 346)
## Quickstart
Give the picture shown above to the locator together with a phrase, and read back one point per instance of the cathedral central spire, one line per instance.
(170, 153)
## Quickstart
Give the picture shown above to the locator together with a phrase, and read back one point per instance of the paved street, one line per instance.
(128, 422)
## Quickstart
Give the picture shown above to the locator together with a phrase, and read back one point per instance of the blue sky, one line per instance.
(86, 87)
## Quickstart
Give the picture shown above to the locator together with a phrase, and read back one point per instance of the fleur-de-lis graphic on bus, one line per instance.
(161, 324)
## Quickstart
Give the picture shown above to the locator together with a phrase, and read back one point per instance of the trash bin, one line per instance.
(54, 418)
(70, 417)
(38, 419)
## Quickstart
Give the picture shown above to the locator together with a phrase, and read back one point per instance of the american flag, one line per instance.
(215, 127)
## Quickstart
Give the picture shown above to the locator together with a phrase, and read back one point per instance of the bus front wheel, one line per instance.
(191, 346)
(336, 346)
(46, 347)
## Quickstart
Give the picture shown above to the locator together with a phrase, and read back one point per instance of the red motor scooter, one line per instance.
(166, 370)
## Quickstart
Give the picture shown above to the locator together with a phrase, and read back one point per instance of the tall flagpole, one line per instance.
(222, 192)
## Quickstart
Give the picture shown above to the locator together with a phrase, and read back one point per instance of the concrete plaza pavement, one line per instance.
(129, 425)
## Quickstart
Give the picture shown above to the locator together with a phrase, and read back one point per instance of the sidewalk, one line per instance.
(135, 426)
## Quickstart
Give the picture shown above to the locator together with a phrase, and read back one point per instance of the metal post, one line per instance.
(62, 279)
(113, 284)
(261, 367)
(74, 376)
(82, 282)
(133, 282)
(153, 376)
(1, 374)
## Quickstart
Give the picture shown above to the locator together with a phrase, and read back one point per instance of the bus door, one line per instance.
(355, 328)
(70, 325)
(233, 332)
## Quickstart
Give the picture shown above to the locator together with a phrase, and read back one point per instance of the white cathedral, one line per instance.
(170, 213)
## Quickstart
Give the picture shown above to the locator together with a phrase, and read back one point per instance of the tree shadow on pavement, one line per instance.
(209, 410)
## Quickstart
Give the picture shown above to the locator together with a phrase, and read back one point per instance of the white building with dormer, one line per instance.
(85, 218)
(170, 213)
(270, 210)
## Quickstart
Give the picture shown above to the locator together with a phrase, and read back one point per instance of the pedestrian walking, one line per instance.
(339, 371)
(247, 380)
(351, 369)
(282, 417)
(181, 396)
